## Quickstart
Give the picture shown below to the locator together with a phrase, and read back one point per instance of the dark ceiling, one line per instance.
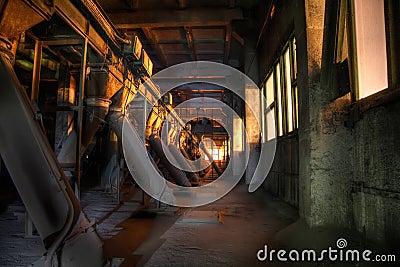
(176, 31)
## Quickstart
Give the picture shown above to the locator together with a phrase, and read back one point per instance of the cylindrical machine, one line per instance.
(100, 87)
(178, 175)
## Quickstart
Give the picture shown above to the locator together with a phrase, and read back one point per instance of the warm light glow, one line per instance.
(289, 97)
(279, 100)
(371, 46)
(269, 89)
(237, 135)
(70, 123)
(215, 152)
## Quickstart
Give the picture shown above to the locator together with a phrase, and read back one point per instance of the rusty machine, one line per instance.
(95, 72)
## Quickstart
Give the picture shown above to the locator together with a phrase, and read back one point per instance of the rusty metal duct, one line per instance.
(178, 175)
(193, 177)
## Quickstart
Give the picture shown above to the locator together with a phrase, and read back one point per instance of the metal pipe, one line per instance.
(37, 65)
(192, 175)
(177, 174)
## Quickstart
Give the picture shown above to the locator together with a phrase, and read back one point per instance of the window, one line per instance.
(280, 89)
(370, 44)
(269, 116)
(361, 38)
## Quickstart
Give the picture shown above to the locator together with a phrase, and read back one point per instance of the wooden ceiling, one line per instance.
(176, 31)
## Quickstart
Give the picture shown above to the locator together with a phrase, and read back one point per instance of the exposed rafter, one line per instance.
(189, 38)
(133, 4)
(159, 18)
(238, 38)
(182, 4)
(231, 3)
(228, 40)
(154, 42)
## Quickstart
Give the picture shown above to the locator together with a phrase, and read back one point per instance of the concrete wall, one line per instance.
(376, 198)
(348, 173)
(283, 179)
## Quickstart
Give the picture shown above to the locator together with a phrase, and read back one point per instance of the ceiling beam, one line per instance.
(154, 43)
(160, 18)
(199, 52)
(133, 4)
(228, 40)
(238, 38)
(189, 39)
(182, 4)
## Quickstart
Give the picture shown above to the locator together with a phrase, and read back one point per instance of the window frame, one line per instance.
(281, 107)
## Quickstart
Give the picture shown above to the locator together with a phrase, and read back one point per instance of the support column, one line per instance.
(37, 65)
(325, 145)
(79, 124)
(253, 98)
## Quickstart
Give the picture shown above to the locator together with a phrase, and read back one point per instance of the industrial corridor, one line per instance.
(199, 133)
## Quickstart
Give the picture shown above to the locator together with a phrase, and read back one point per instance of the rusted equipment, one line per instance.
(178, 175)
(40, 181)
(191, 175)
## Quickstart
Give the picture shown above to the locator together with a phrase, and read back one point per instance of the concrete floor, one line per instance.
(228, 232)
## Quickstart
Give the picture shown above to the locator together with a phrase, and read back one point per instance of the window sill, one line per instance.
(381, 98)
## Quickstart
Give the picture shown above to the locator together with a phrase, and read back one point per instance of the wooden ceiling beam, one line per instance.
(189, 39)
(182, 4)
(238, 38)
(228, 41)
(156, 47)
(161, 18)
(133, 4)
